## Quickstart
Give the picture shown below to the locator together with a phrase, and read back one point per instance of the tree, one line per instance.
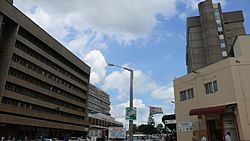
(135, 129)
(159, 127)
(147, 129)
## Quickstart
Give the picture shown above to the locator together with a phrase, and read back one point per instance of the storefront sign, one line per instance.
(185, 127)
(130, 113)
(117, 133)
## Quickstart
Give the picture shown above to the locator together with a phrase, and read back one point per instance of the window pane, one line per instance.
(192, 93)
(182, 96)
(215, 86)
(220, 29)
(221, 37)
(210, 87)
(206, 88)
(215, 6)
(224, 53)
(223, 45)
(218, 21)
(216, 13)
(189, 94)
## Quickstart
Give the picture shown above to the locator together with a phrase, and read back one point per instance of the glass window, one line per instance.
(186, 94)
(220, 29)
(215, 85)
(224, 53)
(215, 6)
(222, 45)
(211, 87)
(182, 96)
(222, 41)
(221, 37)
(217, 15)
(218, 21)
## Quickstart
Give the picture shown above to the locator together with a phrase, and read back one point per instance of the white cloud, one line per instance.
(193, 4)
(118, 111)
(98, 63)
(84, 26)
(123, 20)
(120, 80)
(183, 16)
(53, 25)
(164, 93)
(143, 83)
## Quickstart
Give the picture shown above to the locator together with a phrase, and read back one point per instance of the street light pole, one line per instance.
(131, 97)
(131, 105)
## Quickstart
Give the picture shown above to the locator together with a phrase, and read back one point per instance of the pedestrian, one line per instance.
(167, 138)
(228, 137)
(2, 138)
(9, 138)
(193, 137)
(25, 138)
(203, 138)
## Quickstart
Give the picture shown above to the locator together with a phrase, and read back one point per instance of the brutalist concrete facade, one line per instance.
(98, 101)
(43, 86)
(211, 34)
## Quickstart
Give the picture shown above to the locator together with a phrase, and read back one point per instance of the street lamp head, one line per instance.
(110, 64)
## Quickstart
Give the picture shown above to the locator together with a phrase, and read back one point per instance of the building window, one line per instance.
(218, 21)
(221, 37)
(222, 45)
(186, 94)
(220, 29)
(216, 5)
(211, 87)
(217, 15)
(224, 53)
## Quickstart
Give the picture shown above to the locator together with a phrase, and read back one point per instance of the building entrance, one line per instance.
(220, 125)
(230, 127)
(215, 129)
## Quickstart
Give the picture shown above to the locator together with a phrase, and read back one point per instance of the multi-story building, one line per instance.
(99, 113)
(100, 123)
(43, 86)
(211, 34)
(215, 99)
(98, 101)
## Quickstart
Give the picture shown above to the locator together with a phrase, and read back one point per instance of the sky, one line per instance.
(147, 36)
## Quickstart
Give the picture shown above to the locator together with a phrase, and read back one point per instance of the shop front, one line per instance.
(219, 121)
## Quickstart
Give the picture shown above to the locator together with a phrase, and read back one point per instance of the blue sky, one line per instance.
(145, 35)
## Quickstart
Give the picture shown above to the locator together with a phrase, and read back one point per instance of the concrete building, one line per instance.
(98, 101)
(215, 99)
(99, 113)
(43, 86)
(100, 123)
(211, 34)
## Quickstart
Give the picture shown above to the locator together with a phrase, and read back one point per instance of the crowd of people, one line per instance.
(170, 138)
(9, 138)
(204, 138)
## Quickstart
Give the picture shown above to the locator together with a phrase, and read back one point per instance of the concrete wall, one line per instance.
(208, 50)
(241, 72)
(232, 75)
(9, 31)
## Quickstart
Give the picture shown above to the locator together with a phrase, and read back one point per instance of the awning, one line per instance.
(168, 117)
(208, 110)
(171, 126)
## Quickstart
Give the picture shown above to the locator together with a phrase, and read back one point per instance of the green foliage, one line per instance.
(148, 129)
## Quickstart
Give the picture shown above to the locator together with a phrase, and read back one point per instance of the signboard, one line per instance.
(130, 113)
(117, 133)
(185, 127)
